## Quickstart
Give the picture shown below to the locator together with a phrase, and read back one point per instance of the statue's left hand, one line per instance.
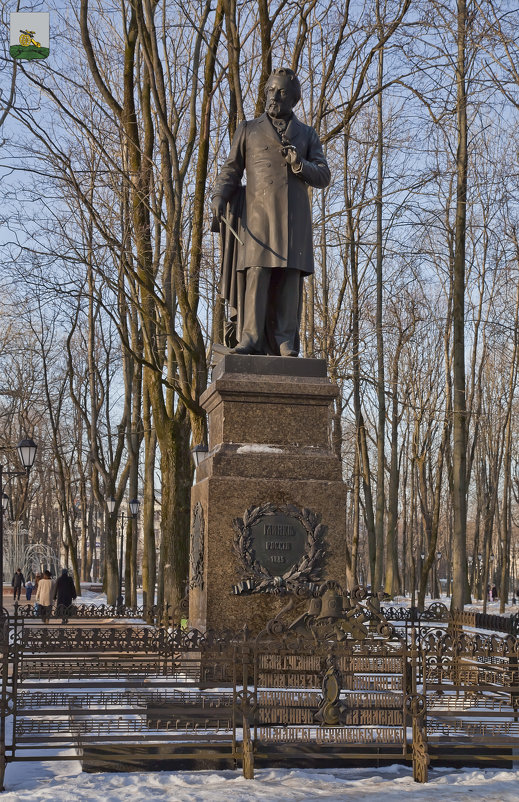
(218, 207)
(290, 154)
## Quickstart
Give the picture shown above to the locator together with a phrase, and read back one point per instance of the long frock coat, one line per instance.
(276, 224)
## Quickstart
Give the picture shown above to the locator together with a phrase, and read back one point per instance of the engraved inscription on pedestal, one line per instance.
(278, 547)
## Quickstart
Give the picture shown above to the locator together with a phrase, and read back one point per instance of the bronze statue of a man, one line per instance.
(272, 228)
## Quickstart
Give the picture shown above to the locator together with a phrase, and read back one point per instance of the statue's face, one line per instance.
(280, 96)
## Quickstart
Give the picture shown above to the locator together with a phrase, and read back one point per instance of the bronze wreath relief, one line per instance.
(279, 549)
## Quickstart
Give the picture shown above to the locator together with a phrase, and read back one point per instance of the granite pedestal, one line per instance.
(269, 443)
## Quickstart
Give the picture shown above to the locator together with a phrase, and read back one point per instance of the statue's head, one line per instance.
(282, 92)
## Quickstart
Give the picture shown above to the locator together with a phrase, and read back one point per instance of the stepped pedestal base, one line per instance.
(271, 468)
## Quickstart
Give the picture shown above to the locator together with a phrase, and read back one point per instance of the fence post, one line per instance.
(4, 702)
(246, 704)
(416, 705)
(513, 667)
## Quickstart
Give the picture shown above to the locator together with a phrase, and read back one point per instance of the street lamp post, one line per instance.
(199, 453)
(134, 505)
(503, 571)
(134, 511)
(27, 452)
(422, 558)
(514, 600)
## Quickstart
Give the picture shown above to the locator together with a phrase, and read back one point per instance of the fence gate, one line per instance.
(338, 682)
(117, 696)
(471, 692)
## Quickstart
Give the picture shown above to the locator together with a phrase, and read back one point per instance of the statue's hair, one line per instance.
(286, 72)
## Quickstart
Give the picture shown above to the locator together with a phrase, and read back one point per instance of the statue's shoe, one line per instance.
(243, 349)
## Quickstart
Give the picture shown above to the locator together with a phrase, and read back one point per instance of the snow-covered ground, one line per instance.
(63, 781)
(92, 597)
(476, 606)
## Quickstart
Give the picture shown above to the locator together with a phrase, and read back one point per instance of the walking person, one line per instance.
(35, 591)
(45, 596)
(17, 582)
(29, 587)
(64, 593)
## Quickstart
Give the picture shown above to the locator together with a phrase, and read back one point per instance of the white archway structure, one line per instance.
(38, 557)
(32, 558)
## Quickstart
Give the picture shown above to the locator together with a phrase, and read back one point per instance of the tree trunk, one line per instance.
(381, 397)
(507, 467)
(459, 451)
(177, 472)
(393, 581)
(360, 430)
(149, 555)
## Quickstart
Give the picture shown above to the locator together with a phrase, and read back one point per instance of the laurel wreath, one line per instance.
(260, 579)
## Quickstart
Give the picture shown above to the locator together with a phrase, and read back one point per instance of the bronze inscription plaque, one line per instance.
(278, 546)
(278, 541)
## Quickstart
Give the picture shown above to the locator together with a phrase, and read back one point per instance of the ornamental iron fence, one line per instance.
(331, 679)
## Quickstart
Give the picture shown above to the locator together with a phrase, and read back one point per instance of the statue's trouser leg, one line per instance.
(284, 294)
(257, 284)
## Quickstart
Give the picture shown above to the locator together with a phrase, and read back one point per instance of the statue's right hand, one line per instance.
(218, 207)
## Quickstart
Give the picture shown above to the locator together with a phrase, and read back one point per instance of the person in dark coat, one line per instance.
(283, 158)
(17, 582)
(65, 591)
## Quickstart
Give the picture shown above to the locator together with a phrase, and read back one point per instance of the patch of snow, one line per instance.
(258, 448)
(62, 781)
